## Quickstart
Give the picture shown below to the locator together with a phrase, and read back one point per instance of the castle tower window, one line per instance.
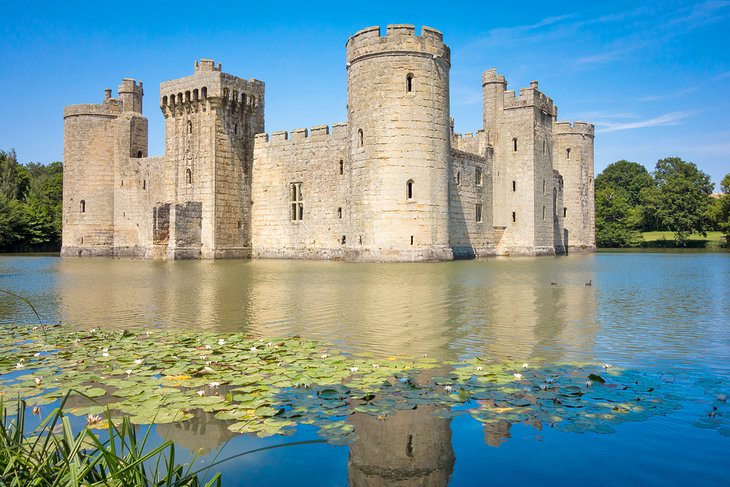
(235, 129)
(567, 153)
(139, 154)
(409, 83)
(360, 138)
(565, 212)
(478, 176)
(514, 186)
(514, 144)
(543, 213)
(187, 96)
(342, 167)
(543, 186)
(188, 176)
(82, 206)
(344, 240)
(190, 127)
(179, 98)
(544, 144)
(409, 189)
(479, 213)
(225, 93)
(164, 101)
(195, 94)
(458, 178)
(339, 212)
(514, 217)
(204, 92)
(144, 184)
(297, 202)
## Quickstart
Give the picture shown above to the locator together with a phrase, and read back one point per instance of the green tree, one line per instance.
(723, 218)
(627, 178)
(616, 220)
(682, 198)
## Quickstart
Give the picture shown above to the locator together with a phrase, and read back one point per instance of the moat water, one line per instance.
(664, 313)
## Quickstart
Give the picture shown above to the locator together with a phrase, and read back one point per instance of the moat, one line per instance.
(663, 316)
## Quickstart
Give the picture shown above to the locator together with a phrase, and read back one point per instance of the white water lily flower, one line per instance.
(208, 347)
(35, 328)
(208, 362)
(221, 342)
(129, 371)
(518, 376)
(19, 365)
(37, 354)
(448, 388)
(105, 354)
(38, 380)
(269, 344)
(375, 366)
(607, 366)
(148, 333)
(480, 368)
(261, 340)
(550, 380)
(93, 418)
(93, 330)
(214, 385)
(543, 386)
(254, 349)
(203, 357)
(138, 361)
(353, 369)
(524, 366)
(200, 393)
(324, 356)
(208, 369)
(589, 383)
(279, 364)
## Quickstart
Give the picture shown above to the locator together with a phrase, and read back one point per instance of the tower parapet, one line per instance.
(574, 128)
(399, 37)
(131, 93)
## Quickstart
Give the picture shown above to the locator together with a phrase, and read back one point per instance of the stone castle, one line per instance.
(393, 183)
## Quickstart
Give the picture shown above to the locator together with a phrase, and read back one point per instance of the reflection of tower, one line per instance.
(497, 433)
(201, 434)
(410, 448)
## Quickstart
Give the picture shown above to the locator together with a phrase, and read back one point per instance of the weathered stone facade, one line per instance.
(393, 183)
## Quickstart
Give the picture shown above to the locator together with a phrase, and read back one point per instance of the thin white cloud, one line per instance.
(672, 118)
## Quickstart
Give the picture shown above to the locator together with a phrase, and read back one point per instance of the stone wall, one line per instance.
(315, 161)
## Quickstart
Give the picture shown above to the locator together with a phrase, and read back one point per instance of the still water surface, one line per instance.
(663, 313)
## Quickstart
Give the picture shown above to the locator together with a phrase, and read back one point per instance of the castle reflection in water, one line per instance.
(516, 309)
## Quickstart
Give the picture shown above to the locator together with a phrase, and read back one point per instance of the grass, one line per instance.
(713, 240)
(53, 455)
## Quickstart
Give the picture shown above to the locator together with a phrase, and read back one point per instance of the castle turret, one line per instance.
(573, 157)
(520, 131)
(211, 119)
(88, 177)
(398, 123)
(131, 92)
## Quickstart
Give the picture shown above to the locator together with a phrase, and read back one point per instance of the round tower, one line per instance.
(399, 147)
(88, 177)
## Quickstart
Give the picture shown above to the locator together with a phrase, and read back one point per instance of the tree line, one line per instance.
(676, 197)
(30, 205)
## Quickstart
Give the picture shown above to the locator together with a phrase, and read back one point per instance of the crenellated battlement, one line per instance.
(491, 76)
(302, 135)
(398, 39)
(110, 108)
(573, 128)
(209, 84)
(530, 97)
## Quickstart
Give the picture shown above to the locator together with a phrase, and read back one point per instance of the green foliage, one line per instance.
(30, 204)
(616, 220)
(682, 198)
(627, 179)
(723, 209)
(53, 455)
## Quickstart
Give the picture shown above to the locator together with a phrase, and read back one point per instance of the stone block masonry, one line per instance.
(392, 183)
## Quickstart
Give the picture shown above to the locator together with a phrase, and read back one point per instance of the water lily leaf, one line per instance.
(596, 378)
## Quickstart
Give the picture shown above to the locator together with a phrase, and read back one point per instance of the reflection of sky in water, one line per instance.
(646, 311)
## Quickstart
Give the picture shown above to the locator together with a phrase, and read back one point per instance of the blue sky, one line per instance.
(652, 76)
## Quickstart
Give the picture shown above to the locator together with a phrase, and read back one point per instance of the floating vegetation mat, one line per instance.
(267, 387)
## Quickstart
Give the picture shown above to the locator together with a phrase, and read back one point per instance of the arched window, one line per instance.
(187, 96)
(514, 144)
(409, 189)
(342, 167)
(179, 98)
(204, 92)
(190, 126)
(360, 138)
(514, 185)
(188, 176)
(339, 212)
(235, 129)
(544, 145)
(164, 101)
(409, 83)
(82, 206)
(567, 153)
(139, 154)
(543, 213)
(195, 94)
(458, 178)
(543, 186)
(144, 184)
